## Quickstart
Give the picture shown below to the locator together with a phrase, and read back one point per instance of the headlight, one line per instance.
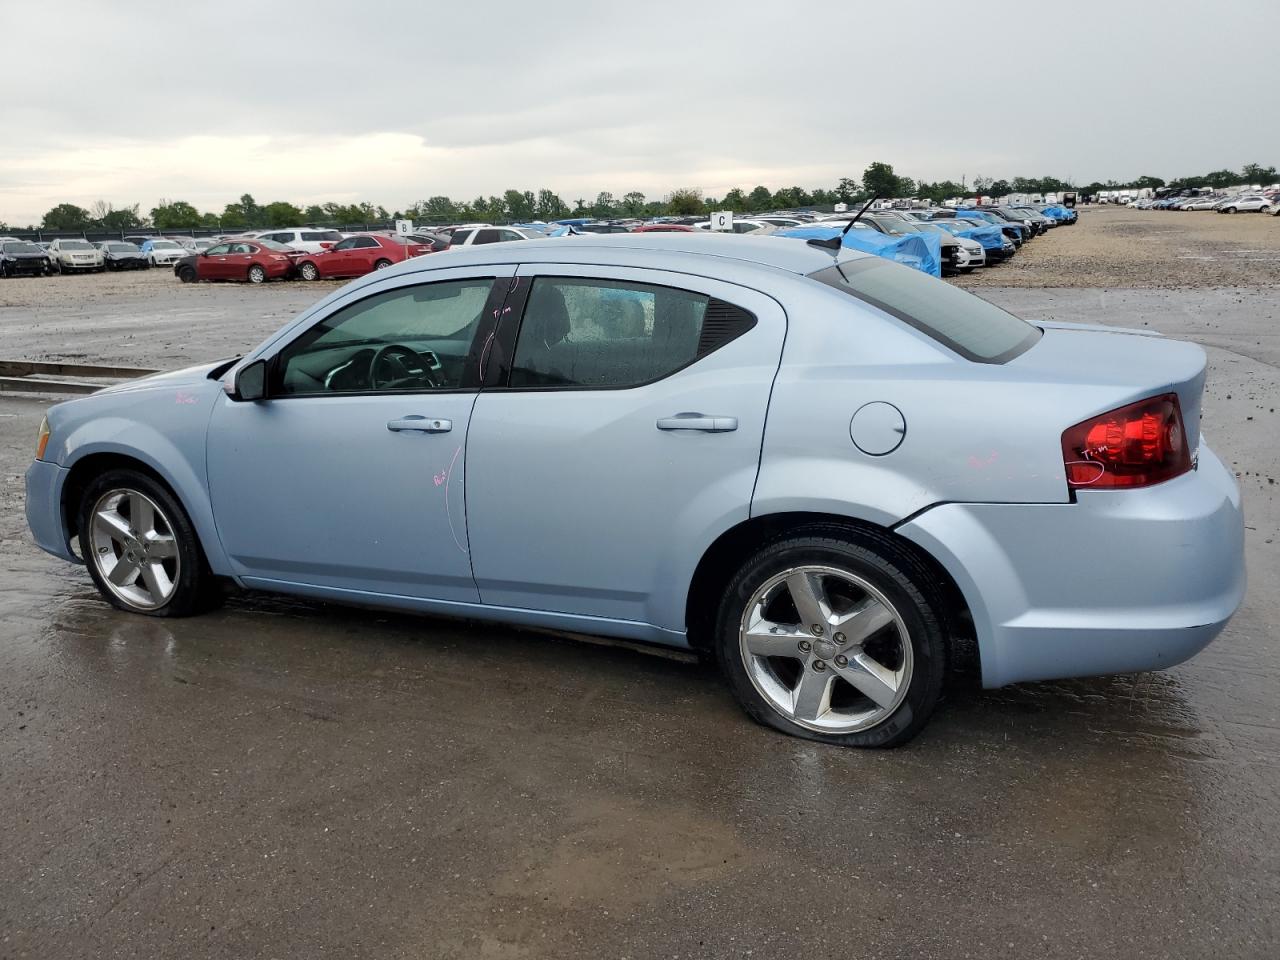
(42, 438)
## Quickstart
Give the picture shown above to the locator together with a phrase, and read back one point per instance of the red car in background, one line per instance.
(358, 255)
(255, 261)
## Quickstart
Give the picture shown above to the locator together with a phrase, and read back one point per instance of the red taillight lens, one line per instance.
(1135, 446)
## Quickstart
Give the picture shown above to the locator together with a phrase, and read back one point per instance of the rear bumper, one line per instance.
(1119, 581)
(44, 508)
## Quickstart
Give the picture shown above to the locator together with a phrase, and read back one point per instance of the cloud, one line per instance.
(395, 102)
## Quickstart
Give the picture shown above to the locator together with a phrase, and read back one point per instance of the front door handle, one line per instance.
(697, 421)
(420, 424)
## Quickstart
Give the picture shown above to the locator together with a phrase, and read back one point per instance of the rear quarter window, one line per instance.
(970, 326)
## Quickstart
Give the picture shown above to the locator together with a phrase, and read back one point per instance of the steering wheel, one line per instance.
(396, 355)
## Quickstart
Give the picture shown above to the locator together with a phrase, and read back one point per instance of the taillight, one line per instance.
(1134, 446)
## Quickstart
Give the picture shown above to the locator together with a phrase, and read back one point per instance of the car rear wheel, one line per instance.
(835, 636)
(381, 264)
(187, 274)
(309, 271)
(141, 549)
(257, 274)
(1231, 209)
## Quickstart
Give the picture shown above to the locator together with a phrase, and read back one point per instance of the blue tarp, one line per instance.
(1059, 213)
(991, 238)
(921, 251)
(1022, 229)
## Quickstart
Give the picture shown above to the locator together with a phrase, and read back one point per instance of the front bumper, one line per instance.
(1120, 581)
(44, 508)
(27, 268)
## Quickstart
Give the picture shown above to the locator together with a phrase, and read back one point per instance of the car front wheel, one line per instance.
(309, 271)
(141, 549)
(187, 274)
(835, 636)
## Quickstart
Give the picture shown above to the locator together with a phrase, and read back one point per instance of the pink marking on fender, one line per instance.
(184, 397)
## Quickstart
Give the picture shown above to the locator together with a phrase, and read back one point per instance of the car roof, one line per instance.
(791, 256)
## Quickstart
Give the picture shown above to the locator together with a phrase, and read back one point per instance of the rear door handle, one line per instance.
(420, 424)
(697, 421)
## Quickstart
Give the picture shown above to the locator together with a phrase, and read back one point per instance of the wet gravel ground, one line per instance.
(290, 779)
(1119, 247)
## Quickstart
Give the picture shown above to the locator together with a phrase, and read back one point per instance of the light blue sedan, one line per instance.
(822, 467)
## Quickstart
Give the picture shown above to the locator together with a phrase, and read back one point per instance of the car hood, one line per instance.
(192, 377)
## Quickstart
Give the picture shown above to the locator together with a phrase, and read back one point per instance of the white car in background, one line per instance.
(468, 237)
(72, 255)
(162, 252)
(1249, 203)
(305, 239)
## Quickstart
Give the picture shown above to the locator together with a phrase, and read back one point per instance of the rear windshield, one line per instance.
(969, 325)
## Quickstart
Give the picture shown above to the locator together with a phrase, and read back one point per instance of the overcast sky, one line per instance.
(392, 102)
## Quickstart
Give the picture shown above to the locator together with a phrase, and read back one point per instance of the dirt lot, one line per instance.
(289, 779)
(1119, 247)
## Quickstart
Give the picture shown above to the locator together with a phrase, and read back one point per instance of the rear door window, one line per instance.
(972, 327)
(487, 236)
(607, 334)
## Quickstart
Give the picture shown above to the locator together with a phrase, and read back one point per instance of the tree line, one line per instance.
(879, 179)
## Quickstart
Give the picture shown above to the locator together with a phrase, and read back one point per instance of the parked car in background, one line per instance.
(468, 236)
(436, 241)
(161, 252)
(74, 255)
(831, 524)
(895, 223)
(602, 227)
(22, 258)
(1248, 203)
(122, 255)
(668, 228)
(251, 261)
(303, 239)
(1202, 203)
(358, 255)
(194, 244)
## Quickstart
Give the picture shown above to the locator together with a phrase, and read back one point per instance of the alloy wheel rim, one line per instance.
(135, 549)
(826, 649)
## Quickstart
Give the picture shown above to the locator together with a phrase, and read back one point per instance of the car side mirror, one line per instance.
(251, 382)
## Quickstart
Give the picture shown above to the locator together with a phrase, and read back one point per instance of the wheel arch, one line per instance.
(721, 560)
(92, 464)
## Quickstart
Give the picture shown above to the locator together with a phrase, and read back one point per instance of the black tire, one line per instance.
(196, 589)
(257, 274)
(186, 274)
(896, 573)
(381, 264)
(308, 270)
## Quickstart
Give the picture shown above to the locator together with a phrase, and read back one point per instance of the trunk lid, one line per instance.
(1114, 367)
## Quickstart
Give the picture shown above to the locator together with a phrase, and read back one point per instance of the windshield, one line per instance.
(16, 248)
(122, 248)
(896, 227)
(75, 245)
(969, 325)
(164, 245)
